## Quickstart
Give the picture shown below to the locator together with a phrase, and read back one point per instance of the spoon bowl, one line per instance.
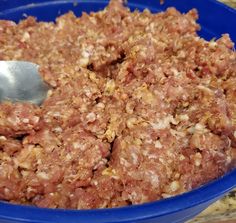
(20, 81)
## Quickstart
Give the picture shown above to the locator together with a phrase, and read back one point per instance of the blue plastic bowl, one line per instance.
(215, 19)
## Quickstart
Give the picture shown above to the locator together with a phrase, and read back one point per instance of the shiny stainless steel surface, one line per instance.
(20, 81)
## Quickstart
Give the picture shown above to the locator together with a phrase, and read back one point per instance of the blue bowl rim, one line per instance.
(204, 194)
(30, 5)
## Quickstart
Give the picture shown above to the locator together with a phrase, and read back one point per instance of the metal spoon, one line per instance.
(20, 81)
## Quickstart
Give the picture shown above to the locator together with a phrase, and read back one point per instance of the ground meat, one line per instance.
(140, 108)
(18, 119)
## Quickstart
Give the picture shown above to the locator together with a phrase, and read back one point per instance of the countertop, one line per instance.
(222, 211)
(231, 3)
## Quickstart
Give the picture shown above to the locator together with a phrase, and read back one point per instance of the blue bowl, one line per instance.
(215, 19)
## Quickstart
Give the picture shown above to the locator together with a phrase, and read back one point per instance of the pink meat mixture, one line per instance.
(141, 108)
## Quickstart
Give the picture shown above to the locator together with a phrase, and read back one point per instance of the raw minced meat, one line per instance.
(141, 108)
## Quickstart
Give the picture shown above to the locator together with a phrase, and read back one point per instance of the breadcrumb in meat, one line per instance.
(141, 108)
(18, 119)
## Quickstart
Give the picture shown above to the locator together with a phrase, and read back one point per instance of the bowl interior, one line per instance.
(176, 209)
(212, 24)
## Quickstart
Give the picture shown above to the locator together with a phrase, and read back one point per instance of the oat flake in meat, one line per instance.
(141, 108)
